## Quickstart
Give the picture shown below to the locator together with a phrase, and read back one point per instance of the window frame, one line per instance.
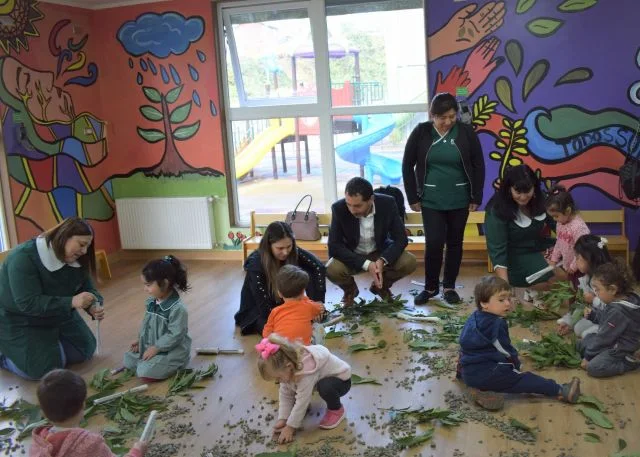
(292, 107)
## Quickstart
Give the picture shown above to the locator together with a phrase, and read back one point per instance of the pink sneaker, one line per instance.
(332, 418)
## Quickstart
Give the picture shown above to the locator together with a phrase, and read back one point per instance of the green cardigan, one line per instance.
(36, 311)
(519, 245)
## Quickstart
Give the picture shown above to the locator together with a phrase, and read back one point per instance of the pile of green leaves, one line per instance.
(129, 413)
(188, 379)
(553, 350)
(103, 382)
(444, 416)
(24, 416)
(366, 312)
(555, 297)
(420, 339)
(527, 318)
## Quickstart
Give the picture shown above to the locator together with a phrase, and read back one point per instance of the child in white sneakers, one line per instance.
(299, 369)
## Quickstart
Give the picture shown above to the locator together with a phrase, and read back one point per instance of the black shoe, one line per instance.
(452, 297)
(423, 297)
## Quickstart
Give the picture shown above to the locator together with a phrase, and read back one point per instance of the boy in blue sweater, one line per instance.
(489, 363)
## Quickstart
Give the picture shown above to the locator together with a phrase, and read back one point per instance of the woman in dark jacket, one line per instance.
(259, 295)
(443, 172)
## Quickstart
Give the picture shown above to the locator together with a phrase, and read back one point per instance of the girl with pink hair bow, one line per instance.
(300, 369)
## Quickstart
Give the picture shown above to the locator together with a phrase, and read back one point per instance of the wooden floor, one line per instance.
(240, 394)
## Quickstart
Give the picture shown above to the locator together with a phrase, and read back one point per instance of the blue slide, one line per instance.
(358, 150)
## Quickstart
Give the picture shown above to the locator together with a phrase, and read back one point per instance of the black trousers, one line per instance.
(440, 228)
(331, 389)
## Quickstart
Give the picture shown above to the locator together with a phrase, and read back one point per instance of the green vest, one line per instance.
(446, 186)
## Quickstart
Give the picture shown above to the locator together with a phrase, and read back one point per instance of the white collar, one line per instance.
(48, 258)
(524, 221)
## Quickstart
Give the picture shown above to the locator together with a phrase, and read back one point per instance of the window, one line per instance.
(317, 92)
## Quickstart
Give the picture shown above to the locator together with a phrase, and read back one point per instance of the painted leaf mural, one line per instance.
(534, 77)
(524, 5)
(515, 55)
(575, 6)
(577, 75)
(544, 27)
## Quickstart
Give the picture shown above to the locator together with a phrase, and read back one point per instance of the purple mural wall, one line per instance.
(554, 84)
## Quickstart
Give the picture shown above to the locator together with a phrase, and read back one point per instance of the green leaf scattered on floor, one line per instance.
(552, 350)
(445, 416)
(517, 424)
(340, 333)
(592, 401)
(188, 379)
(591, 438)
(367, 347)
(355, 379)
(414, 440)
(622, 444)
(277, 454)
(6, 433)
(595, 417)
(102, 380)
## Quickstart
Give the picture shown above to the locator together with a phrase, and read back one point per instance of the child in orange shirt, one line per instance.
(293, 319)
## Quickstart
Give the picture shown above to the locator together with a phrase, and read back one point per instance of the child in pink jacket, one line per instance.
(62, 395)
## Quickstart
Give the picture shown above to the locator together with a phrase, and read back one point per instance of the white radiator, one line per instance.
(165, 223)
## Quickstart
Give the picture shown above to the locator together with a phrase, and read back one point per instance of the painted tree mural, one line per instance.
(162, 36)
(171, 162)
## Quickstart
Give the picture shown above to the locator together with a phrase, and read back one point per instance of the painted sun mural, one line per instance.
(17, 24)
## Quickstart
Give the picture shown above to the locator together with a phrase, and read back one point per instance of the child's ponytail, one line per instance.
(593, 249)
(275, 352)
(168, 269)
(559, 199)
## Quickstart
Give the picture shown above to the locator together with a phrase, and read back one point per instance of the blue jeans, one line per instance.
(69, 354)
(504, 378)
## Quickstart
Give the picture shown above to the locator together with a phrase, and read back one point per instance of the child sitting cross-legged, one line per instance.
(610, 350)
(489, 363)
(62, 395)
(293, 319)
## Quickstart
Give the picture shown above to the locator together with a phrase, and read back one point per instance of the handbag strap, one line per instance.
(306, 214)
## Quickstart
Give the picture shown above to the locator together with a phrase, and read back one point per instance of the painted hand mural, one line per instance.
(161, 36)
(50, 147)
(466, 28)
(565, 142)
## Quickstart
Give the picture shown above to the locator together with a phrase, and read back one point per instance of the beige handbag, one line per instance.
(304, 224)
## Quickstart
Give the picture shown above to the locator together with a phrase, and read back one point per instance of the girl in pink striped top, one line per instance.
(570, 226)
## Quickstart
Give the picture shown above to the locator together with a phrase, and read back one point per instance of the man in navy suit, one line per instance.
(367, 234)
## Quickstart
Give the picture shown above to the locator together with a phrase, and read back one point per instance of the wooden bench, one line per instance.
(597, 220)
(474, 239)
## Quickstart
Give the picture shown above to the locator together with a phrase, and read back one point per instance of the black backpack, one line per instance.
(395, 193)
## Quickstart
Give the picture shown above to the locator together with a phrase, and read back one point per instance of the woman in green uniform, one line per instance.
(44, 282)
(518, 229)
(443, 172)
